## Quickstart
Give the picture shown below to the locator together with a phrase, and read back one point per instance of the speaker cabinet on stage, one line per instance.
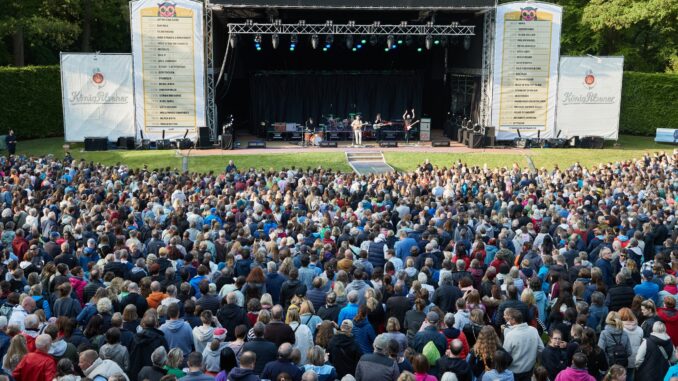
(185, 143)
(96, 144)
(388, 144)
(126, 142)
(596, 142)
(163, 144)
(256, 144)
(440, 143)
(227, 141)
(476, 140)
(204, 138)
(328, 144)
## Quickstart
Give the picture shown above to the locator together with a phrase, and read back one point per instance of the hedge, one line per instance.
(30, 102)
(649, 101)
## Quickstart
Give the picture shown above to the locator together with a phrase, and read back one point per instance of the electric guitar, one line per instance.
(377, 126)
(411, 125)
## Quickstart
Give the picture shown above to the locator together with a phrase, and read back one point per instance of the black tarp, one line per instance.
(294, 97)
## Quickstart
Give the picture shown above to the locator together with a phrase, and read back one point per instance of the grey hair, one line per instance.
(104, 305)
(658, 327)
(352, 296)
(449, 319)
(159, 356)
(448, 376)
(309, 375)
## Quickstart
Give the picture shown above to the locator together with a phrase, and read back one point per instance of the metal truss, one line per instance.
(351, 28)
(487, 63)
(210, 107)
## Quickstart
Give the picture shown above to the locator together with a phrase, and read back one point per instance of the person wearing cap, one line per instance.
(647, 289)
(377, 366)
(430, 333)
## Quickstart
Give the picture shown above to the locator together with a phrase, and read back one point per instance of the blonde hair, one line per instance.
(16, 351)
(527, 297)
(614, 320)
(339, 289)
(292, 315)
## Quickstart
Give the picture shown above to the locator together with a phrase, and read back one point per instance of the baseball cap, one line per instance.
(432, 317)
(346, 326)
(220, 334)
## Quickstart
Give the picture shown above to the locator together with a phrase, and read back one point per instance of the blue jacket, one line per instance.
(429, 333)
(606, 268)
(274, 283)
(648, 290)
(274, 368)
(195, 283)
(178, 334)
(364, 335)
(348, 312)
(402, 247)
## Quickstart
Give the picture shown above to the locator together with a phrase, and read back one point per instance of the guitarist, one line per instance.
(357, 126)
(408, 120)
(378, 123)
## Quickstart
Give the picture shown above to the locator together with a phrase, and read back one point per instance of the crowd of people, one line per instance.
(458, 273)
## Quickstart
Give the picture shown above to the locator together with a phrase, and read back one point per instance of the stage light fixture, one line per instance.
(315, 40)
(394, 46)
(293, 42)
(257, 39)
(363, 41)
(443, 41)
(390, 40)
(349, 41)
(400, 42)
(409, 40)
(354, 49)
(275, 40)
(233, 40)
(374, 39)
(329, 40)
(419, 50)
(429, 41)
(467, 42)
(386, 49)
(359, 46)
(436, 42)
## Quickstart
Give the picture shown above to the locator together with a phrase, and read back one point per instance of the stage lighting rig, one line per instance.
(429, 42)
(275, 40)
(390, 40)
(315, 40)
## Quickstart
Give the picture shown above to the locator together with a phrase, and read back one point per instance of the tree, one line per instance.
(38, 25)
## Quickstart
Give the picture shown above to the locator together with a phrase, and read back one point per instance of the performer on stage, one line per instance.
(310, 125)
(408, 120)
(378, 124)
(357, 126)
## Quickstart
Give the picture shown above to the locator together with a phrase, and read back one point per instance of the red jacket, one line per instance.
(35, 366)
(20, 247)
(670, 319)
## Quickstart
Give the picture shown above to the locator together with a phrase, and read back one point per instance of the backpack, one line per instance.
(431, 353)
(619, 354)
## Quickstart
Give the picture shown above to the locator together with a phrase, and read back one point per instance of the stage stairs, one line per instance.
(368, 162)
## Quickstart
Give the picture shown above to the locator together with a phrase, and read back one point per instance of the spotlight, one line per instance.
(363, 41)
(419, 50)
(354, 49)
(429, 41)
(443, 41)
(275, 39)
(467, 42)
(436, 42)
(329, 39)
(374, 39)
(315, 40)
(386, 49)
(400, 42)
(359, 46)
(349, 41)
(233, 40)
(293, 42)
(394, 46)
(390, 40)
(257, 39)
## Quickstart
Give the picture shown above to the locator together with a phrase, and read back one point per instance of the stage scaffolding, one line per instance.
(301, 28)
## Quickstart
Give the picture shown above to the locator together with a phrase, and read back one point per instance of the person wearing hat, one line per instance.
(377, 366)
(647, 288)
(344, 352)
(430, 333)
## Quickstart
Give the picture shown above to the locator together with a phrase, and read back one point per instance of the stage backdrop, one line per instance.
(589, 96)
(527, 48)
(293, 97)
(169, 77)
(97, 99)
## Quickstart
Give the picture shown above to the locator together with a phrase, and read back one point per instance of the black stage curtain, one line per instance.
(294, 97)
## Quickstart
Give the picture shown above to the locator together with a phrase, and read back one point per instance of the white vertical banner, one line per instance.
(525, 78)
(589, 96)
(169, 68)
(97, 98)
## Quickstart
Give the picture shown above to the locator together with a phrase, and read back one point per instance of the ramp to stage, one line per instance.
(368, 162)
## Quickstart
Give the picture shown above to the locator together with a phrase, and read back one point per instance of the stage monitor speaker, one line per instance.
(388, 144)
(96, 144)
(163, 144)
(204, 138)
(227, 141)
(440, 143)
(596, 142)
(185, 143)
(476, 140)
(256, 144)
(130, 143)
(328, 144)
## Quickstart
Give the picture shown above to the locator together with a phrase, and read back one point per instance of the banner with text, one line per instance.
(97, 99)
(169, 77)
(589, 96)
(526, 53)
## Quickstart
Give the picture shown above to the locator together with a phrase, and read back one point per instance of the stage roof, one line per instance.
(358, 4)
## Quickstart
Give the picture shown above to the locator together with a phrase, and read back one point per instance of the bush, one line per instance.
(649, 101)
(30, 101)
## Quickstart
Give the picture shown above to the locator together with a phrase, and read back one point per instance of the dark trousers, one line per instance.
(526, 376)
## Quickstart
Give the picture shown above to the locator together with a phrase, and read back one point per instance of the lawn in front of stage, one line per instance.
(628, 147)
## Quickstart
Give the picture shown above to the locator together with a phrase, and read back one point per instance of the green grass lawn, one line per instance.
(628, 147)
